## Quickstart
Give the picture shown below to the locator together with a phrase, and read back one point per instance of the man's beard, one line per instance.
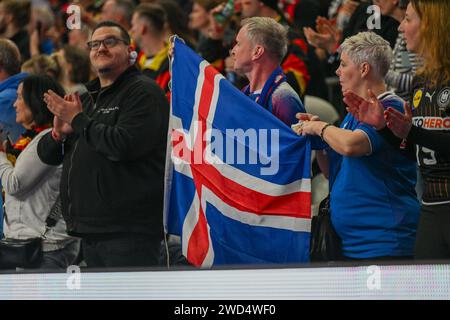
(104, 70)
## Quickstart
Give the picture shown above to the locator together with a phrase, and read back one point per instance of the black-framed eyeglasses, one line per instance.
(108, 43)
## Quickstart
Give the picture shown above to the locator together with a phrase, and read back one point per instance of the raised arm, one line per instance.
(345, 142)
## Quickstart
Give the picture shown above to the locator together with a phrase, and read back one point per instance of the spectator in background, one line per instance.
(14, 17)
(149, 30)
(42, 64)
(156, 66)
(90, 11)
(75, 68)
(214, 39)
(358, 22)
(10, 77)
(373, 200)
(120, 11)
(329, 34)
(341, 11)
(199, 18)
(301, 13)
(42, 25)
(79, 37)
(405, 63)
(216, 47)
(177, 21)
(31, 187)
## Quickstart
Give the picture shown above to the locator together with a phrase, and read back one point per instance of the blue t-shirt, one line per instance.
(374, 207)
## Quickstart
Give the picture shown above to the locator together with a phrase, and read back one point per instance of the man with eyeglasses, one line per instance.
(111, 142)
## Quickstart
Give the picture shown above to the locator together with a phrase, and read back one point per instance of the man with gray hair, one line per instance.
(260, 47)
(14, 17)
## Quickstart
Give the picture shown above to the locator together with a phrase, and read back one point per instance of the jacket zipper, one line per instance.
(71, 159)
(68, 179)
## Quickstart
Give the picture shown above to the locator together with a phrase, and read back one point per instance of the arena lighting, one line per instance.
(395, 281)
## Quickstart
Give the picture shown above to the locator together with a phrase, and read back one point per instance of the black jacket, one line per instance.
(113, 163)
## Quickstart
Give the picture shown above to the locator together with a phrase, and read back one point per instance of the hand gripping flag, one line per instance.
(238, 187)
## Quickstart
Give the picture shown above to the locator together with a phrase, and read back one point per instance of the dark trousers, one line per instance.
(62, 258)
(120, 250)
(433, 233)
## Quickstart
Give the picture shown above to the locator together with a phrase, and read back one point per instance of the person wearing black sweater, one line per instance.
(111, 142)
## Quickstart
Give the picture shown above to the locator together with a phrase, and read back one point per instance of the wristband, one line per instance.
(323, 130)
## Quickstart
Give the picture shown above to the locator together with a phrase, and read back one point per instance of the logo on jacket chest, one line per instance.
(107, 110)
(443, 98)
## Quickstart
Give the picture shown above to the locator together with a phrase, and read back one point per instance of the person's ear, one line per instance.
(364, 69)
(258, 51)
(143, 29)
(8, 18)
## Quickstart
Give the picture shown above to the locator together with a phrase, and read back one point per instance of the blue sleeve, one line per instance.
(285, 106)
(374, 137)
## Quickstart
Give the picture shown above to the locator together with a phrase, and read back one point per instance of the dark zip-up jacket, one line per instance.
(113, 163)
